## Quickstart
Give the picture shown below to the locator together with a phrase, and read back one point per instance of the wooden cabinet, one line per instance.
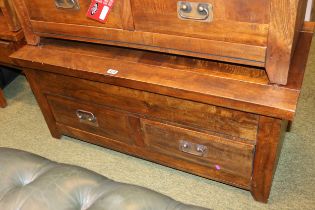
(138, 121)
(145, 129)
(186, 84)
(11, 36)
(6, 49)
(216, 120)
(260, 33)
(223, 155)
(7, 10)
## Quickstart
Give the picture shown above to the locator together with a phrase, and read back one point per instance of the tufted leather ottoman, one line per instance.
(31, 182)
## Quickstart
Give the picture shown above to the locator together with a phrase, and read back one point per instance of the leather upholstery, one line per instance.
(31, 182)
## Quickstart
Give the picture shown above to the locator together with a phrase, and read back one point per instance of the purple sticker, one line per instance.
(218, 167)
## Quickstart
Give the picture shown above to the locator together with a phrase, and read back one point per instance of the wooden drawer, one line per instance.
(154, 25)
(217, 153)
(46, 11)
(107, 123)
(6, 49)
(240, 21)
(174, 110)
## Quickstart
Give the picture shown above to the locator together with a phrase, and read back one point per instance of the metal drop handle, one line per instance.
(201, 10)
(195, 11)
(192, 148)
(186, 7)
(67, 4)
(201, 148)
(86, 117)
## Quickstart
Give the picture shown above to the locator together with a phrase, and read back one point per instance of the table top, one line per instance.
(229, 85)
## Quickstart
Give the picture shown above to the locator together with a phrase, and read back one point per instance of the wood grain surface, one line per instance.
(6, 49)
(10, 41)
(268, 148)
(234, 21)
(231, 157)
(43, 104)
(233, 38)
(24, 19)
(158, 100)
(111, 124)
(263, 33)
(7, 8)
(127, 130)
(171, 109)
(170, 161)
(220, 89)
(6, 33)
(286, 20)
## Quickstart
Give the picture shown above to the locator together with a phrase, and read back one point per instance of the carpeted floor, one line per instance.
(22, 126)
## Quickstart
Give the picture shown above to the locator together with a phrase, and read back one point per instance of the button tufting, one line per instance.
(26, 182)
(23, 180)
(60, 186)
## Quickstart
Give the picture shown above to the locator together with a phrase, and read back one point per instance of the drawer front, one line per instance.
(93, 119)
(48, 12)
(6, 49)
(236, 34)
(240, 21)
(174, 110)
(199, 148)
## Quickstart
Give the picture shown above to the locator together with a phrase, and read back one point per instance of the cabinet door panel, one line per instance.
(92, 118)
(241, 21)
(48, 12)
(188, 113)
(217, 153)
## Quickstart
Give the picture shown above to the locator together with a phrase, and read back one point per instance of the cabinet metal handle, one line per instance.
(86, 117)
(67, 4)
(193, 149)
(201, 148)
(195, 11)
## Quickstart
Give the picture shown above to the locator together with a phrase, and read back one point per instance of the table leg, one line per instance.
(268, 148)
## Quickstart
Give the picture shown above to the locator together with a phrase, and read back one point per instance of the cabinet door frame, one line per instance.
(7, 8)
(283, 34)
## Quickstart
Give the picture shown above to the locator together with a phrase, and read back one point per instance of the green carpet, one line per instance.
(22, 126)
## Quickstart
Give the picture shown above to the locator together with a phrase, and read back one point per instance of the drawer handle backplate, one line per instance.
(67, 4)
(86, 117)
(195, 11)
(193, 149)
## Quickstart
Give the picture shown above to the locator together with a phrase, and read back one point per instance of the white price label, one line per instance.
(112, 71)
